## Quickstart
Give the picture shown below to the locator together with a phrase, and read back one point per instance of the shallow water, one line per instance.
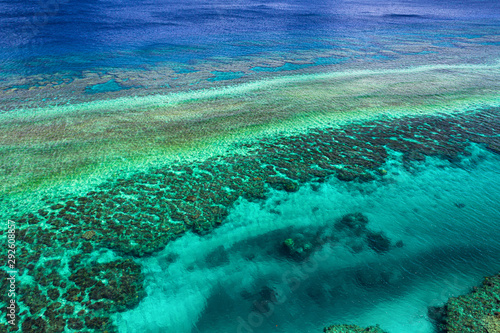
(444, 214)
(190, 167)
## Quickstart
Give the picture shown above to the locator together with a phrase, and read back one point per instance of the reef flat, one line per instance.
(56, 144)
(139, 214)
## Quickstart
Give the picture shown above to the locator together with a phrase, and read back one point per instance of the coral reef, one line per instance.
(351, 229)
(298, 247)
(87, 299)
(139, 214)
(478, 311)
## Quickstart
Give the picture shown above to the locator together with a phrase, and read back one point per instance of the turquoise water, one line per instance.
(285, 67)
(109, 86)
(443, 213)
(246, 167)
(221, 76)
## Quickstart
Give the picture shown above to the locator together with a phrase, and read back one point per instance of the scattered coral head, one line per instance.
(88, 234)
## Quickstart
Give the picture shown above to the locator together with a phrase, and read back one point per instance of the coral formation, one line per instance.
(378, 241)
(89, 296)
(298, 247)
(478, 311)
(351, 229)
(139, 214)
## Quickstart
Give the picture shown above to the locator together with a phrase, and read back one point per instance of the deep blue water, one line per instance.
(65, 35)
